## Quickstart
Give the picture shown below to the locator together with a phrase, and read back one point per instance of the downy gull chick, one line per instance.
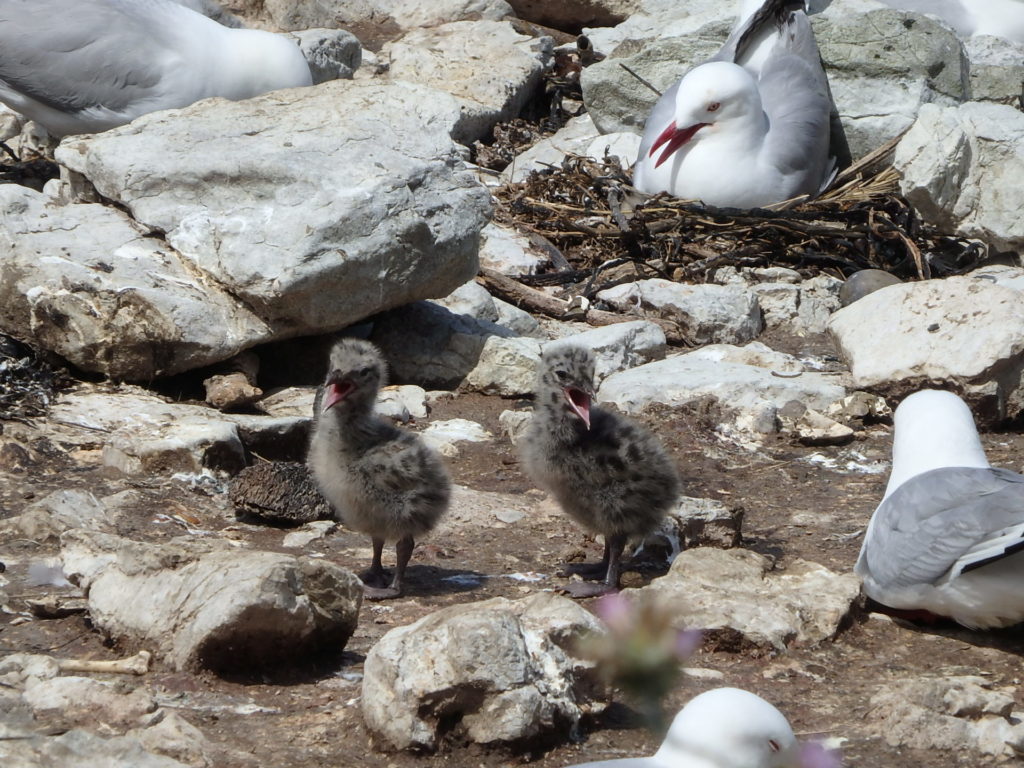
(381, 480)
(728, 728)
(83, 66)
(748, 128)
(608, 473)
(948, 537)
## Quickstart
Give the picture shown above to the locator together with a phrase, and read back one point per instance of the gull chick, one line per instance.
(748, 128)
(83, 66)
(948, 537)
(381, 480)
(608, 473)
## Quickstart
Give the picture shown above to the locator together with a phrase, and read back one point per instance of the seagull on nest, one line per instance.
(728, 728)
(948, 537)
(750, 127)
(83, 66)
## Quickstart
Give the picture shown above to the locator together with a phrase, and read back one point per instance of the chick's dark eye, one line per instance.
(365, 371)
(713, 106)
(561, 375)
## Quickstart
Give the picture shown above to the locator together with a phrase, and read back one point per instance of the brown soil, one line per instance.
(309, 716)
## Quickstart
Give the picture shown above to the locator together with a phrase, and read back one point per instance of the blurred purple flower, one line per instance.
(615, 610)
(688, 641)
(814, 754)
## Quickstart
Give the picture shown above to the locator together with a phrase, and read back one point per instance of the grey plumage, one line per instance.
(610, 475)
(953, 516)
(79, 66)
(381, 480)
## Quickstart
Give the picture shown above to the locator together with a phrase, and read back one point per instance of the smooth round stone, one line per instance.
(860, 284)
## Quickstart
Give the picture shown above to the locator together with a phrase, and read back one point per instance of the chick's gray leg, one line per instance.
(614, 546)
(403, 551)
(375, 576)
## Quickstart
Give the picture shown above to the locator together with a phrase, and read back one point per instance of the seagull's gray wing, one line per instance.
(75, 54)
(795, 96)
(937, 517)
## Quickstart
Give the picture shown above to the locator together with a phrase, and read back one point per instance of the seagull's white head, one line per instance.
(933, 429)
(729, 728)
(711, 98)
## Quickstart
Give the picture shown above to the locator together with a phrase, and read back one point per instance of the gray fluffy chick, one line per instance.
(608, 473)
(381, 480)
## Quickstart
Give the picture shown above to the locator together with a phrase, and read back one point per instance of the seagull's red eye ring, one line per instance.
(713, 106)
(773, 745)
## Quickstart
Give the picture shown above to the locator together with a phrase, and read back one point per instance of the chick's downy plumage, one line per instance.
(608, 473)
(381, 480)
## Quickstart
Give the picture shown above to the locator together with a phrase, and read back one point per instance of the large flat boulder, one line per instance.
(499, 671)
(304, 211)
(967, 332)
(207, 605)
(960, 168)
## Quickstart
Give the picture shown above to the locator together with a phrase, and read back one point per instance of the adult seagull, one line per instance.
(728, 728)
(82, 66)
(948, 536)
(749, 127)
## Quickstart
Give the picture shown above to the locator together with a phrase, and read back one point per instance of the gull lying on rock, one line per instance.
(82, 66)
(728, 728)
(380, 479)
(748, 128)
(609, 474)
(948, 538)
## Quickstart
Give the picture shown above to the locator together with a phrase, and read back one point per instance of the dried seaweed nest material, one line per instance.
(27, 382)
(592, 215)
(278, 492)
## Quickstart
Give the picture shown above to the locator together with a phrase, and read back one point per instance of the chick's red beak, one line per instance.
(673, 138)
(579, 401)
(336, 392)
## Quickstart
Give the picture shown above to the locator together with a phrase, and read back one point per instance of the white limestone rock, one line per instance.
(965, 331)
(436, 348)
(332, 54)
(488, 67)
(739, 602)
(706, 314)
(86, 282)
(749, 393)
(580, 137)
(619, 346)
(997, 68)
(958, 713)
(883, 66)
(960, 168)
(288, 213)
(443, 436)
(506, 671)
(505, 250)
(209, 605)
(144, 433)
(47, 518)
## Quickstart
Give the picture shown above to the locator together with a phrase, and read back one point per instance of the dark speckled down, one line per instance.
(614, 478)
(381, 480)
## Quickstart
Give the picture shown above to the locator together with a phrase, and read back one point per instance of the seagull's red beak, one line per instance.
(336, 392)
(673, 138)
(579, 401)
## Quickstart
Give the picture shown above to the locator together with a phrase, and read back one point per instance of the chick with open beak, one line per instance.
(608, 473)
(380, 480)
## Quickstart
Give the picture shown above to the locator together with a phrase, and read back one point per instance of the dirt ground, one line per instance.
(800, 502)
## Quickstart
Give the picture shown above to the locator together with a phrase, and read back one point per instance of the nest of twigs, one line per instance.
(608, 233)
